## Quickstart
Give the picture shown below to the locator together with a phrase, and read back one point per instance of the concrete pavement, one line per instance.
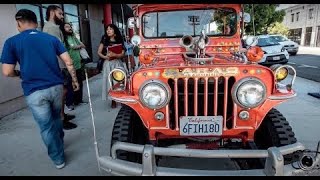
(23, 153)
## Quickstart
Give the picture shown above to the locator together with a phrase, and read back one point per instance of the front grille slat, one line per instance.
(186, 96)
(205, 96)
(176, 106)
(215, 104)
(225, 102)
(195, 96)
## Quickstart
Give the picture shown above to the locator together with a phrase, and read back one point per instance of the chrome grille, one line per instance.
(207, 96)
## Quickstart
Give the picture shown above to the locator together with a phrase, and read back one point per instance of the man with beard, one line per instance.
(74, 46)
(54, 16)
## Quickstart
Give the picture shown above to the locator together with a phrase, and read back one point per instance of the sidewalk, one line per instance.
(309, 50)
(22, 151)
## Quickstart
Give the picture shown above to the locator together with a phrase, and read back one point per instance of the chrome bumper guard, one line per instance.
(274, 165)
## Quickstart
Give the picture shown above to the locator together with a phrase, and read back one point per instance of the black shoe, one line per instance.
(80, 103)
(68, 117)
(69, 125)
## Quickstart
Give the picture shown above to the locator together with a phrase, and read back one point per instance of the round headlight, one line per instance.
(118, 75)
(154, 94)
(250, 93)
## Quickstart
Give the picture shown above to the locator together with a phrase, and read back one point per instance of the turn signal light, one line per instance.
(146, 58)
(118, 75)
(255, 54)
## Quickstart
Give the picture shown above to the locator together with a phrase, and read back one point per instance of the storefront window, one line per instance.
(71, 9)
(46, 5)
(70, 13)
(33, 8)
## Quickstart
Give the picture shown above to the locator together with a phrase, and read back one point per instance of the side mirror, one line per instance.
(132, 22)
(135, 40)
(246, 17)
(252, 41)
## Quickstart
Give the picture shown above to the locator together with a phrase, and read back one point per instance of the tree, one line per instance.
(264, 16)
(278, 28)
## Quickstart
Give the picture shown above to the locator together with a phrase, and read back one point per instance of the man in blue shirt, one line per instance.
(37, 52)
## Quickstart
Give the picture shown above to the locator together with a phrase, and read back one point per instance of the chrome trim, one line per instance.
(274, 165)
(282, 97)
(239, 83)
(123, 100)
(278, 67)
(162, 84)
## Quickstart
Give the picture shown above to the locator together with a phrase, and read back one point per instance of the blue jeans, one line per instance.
(46, 109)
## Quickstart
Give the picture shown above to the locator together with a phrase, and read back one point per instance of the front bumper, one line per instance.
(268, 58)
(292, 49)
(274, 165)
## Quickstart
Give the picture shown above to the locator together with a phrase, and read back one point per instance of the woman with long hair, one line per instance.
(111, 59)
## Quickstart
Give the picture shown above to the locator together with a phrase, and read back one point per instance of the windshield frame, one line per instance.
(203, 8)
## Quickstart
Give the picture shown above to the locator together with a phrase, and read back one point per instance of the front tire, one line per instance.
(128, 128)
(276, 131)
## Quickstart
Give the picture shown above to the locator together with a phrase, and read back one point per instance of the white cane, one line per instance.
(92, 118)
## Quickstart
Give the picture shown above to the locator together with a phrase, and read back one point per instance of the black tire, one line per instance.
(293, 54)
(276, 131)
(128, 128)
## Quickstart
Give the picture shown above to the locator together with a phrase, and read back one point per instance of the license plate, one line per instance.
(200, 125)
(276, 58)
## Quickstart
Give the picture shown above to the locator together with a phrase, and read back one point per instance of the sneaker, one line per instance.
(69, 125)
(70, 108)
(61, 165)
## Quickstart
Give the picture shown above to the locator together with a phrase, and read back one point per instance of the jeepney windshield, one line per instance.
(215, 22)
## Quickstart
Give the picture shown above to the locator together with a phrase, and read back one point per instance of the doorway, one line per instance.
(308, 36)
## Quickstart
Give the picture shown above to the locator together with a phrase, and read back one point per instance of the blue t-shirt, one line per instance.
(36, 52)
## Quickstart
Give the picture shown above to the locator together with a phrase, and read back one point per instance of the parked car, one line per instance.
(274, 52)
(291, 47)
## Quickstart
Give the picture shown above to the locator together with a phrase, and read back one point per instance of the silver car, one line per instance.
(274, 52)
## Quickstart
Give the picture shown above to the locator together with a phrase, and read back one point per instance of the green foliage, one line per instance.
(264, 16)
(278, 28)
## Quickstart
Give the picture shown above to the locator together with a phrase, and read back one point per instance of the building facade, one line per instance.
(303, 21)
(88, 22)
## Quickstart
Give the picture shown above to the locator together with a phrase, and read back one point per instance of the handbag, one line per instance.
(84, 54)
(85, 58)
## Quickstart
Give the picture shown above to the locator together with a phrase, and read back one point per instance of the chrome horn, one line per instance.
(187, 41)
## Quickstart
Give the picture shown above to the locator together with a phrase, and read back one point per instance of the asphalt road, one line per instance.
(307, 63)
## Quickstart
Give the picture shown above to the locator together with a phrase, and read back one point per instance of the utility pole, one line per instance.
(194, 21)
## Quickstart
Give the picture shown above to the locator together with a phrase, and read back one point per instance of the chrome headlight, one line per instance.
(249, 92)
(283, 49)
(154, 94)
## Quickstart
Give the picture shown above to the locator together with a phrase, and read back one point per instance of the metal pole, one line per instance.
(254, 30)
(125, 35)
